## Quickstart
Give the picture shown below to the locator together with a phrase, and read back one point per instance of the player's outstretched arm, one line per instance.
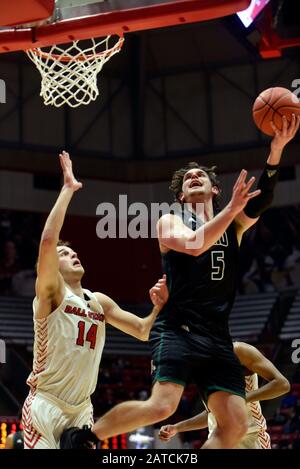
(49, 284)
(269, 177)
(256, 362)
(198, 422)
(130, 323)
(174, 234)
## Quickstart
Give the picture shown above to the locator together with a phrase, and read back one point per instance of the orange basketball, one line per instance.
(271, 105)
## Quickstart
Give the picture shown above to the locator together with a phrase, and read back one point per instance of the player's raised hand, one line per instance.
(241, 192)
(159, 293)
(287, 132)
(167, 432)
(69, 179)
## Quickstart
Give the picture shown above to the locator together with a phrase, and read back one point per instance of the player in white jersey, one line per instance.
(255, 365)
(69, 326)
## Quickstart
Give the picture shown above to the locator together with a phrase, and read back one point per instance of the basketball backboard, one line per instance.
(79, 8)
(22, 11)
(81, 19)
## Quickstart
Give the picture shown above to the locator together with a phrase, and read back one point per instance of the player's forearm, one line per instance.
(195, 423)
(271, 390)
(208, 234)
(57, 215)
(275, 156)
(147, 322)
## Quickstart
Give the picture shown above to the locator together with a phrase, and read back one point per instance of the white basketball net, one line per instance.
(69, 76)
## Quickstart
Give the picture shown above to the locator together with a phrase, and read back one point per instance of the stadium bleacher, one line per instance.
(291, 326)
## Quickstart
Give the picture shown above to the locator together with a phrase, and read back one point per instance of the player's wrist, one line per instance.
(177, 428)
(68, 188)
(276, 149)
(232, 209)
(157, 308)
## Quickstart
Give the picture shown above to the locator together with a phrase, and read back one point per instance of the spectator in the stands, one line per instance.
(15, 440)
(297, 376)
(5, 227)
(105, 376)
(293, 422)
(23, 283)
(9, 266)
(279, 418)
(289, 401)
(26, 239)
(143, 395)
(257, 274)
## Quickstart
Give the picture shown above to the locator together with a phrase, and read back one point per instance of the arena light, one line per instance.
(248, 16)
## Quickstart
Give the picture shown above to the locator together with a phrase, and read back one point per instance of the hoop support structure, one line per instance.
(118, 22)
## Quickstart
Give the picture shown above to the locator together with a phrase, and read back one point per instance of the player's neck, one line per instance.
(202, 208)
(76, 288)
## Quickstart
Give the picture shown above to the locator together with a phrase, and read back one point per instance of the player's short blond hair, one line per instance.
(60, 242)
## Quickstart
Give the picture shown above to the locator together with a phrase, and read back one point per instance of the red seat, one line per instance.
(295, 388)
(276, 437)
(275, 429)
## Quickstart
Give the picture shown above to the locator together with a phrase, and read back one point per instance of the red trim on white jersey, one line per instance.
(263, 436)
(40, 356)
(31, 436)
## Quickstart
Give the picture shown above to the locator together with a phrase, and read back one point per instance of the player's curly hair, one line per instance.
(177, 179)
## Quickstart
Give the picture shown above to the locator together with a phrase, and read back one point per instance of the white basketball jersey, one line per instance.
(68, 346)
(256, 421)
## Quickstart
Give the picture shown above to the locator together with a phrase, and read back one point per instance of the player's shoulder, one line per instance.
(43, 307)
(242, 344)
(170, 217)
(98, 294)
(103, 299)
(246, 353)
(168, 222)
(88, 292)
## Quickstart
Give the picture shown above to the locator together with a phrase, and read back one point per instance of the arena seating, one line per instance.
(291, 326)
(284, 428)
(247, 321)
(16, 325)
(250, 314)
(118, 342)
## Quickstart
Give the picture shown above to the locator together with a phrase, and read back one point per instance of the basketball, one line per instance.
(271, 105)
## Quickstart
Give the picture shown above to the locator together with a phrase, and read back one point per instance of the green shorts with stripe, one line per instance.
(180, 356)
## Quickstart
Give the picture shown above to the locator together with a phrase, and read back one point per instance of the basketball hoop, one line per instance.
(69, 76)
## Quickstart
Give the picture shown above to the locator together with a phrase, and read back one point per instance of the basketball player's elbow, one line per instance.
(192, 245)
(283, 385)
(144, 331)
(144, 337)
(48, 239)
(195, 252)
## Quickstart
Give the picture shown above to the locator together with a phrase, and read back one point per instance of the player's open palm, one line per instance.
(159, 293)
(69, 178)
(241, 192)
(167, 432)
